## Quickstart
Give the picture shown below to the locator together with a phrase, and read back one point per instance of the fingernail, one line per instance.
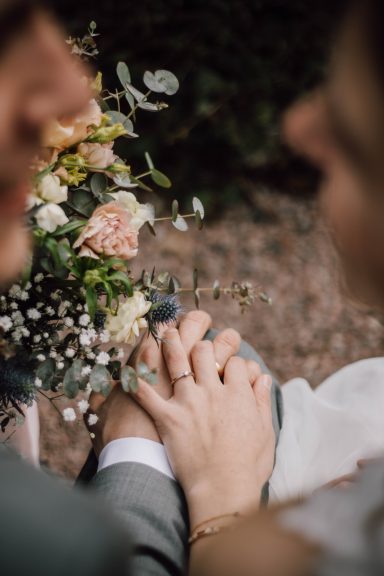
(266, 380)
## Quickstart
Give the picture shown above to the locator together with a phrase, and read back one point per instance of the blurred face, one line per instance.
(39, 80)
(340, 128)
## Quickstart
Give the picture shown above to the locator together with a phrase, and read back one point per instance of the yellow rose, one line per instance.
(125, 326)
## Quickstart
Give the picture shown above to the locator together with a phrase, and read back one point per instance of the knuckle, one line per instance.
(230, 338)
(202, 347)
(198, 316)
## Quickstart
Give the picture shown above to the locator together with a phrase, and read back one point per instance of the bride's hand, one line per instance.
(219, 438)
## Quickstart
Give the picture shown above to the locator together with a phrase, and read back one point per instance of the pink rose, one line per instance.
(109, 232)
(69, 131)
(99, 156)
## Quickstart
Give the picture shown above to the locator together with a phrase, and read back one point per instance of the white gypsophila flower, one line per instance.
(14, 306)
(39, 305)
(55, 296)
(39, 289)
(28, 286)
(105, 336)
(83, 406)
(17, 335)
(39, 278)
(88, 389)
(103, 358)
(84, 339)
(68, 322)
(60, 365)
(14, 290)
(5, 323)
(120, 353)
(79, 308)
(38, 382)
(25, 332)
(50, 311)
(50, 216)
(86, 370)
(69, 415)
(18, 318)
(37, 338)
(76, 330)
(91, 355)
(70, 352)
(33, 314)
(40, 357)
(45, 335)
(23, 295)
(84, 319)
(92, 419)
(53, 354)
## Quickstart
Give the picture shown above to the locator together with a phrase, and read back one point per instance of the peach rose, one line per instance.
(98, 156)
(109, 232)
(69, 131)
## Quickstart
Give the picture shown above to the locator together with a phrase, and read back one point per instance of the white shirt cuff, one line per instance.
(138, 450)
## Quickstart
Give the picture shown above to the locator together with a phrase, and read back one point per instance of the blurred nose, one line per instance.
(305, 129)
(61, 87)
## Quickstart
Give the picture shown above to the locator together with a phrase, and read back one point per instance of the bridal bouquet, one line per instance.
(64, 324)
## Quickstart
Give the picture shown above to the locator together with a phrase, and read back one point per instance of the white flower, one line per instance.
(91, 355)
(103, 358)
(39, 304)
(63, 307)
(53, 354)
(49, 189)
(50, 311)
(83, 406)
(23, 295)
(79, 307)
(85, 339)
(69, 322)
(39, 289)
(28, 286)
(18, 318)
(86, 371)
(55, 296)
(14, 306)
(70, 352)
(69, 414)
(120, 353)
(14, 291)
(50, 216)
(39, 278)
(105, 336)
(60, 365)
(99, 156)
(37, 338)
(126, 324)
(33, 314)
(25, 332)
(84, 319)
(140, 213)
(40, 357)
(38, 382)
(46, 335)
(92, 419)
(123, 180)
(5, 323)
(17, 335)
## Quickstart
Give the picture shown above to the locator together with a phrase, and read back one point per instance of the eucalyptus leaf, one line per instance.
(160, 179)
(138, 96)
(152, 83)
(142, 369)
(130, 99)
(151, 378)
(116, 116)
(180, 224)
(70, 383)
(123, 74)
(100, 379)
(124, 181)
(175, 210)
(70, 227)
(45, 372)
(168, 80)
(198, 207)
(98, 184)
(199, 221)
(149, 106)
(149, 161)
(129, 381)
(83, 201)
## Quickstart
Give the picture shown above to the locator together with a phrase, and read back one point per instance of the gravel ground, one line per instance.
(309, 331)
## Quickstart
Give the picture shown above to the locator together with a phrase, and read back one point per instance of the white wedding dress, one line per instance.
(327, 430)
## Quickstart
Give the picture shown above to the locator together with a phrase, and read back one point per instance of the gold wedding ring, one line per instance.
(185, 374)
(220, 370)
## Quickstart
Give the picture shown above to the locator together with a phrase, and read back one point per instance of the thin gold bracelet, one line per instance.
(198, 532)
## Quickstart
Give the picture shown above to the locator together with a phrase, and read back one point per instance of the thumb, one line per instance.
(151, 401)
(262, 391)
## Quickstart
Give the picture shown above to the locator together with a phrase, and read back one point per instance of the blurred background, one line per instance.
(240, 64)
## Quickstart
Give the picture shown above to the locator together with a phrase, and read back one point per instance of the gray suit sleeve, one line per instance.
(153, 508)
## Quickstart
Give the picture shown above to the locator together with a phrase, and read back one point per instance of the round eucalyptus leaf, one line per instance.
(152, 83)
(180, 224)
(123, 74)
(160, 179)
(99, 378)
(168, 80)
(198, 207)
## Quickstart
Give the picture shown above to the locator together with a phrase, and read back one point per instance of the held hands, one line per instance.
(219, 438)
(120, 416)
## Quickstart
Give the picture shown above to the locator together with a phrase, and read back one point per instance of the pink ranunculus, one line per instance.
(109, 232)
(64, 133)
(98, 156)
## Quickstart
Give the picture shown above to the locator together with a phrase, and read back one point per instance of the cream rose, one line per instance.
(125, 326)
(140, 213)
(49, 189)
(69, 131)
(50, 216)
(109, 232)
(98, 156)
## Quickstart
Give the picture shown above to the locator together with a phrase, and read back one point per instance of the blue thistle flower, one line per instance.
(166, 309)
(17, 378)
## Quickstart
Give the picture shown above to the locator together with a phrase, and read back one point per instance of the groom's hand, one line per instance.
(120, 416)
